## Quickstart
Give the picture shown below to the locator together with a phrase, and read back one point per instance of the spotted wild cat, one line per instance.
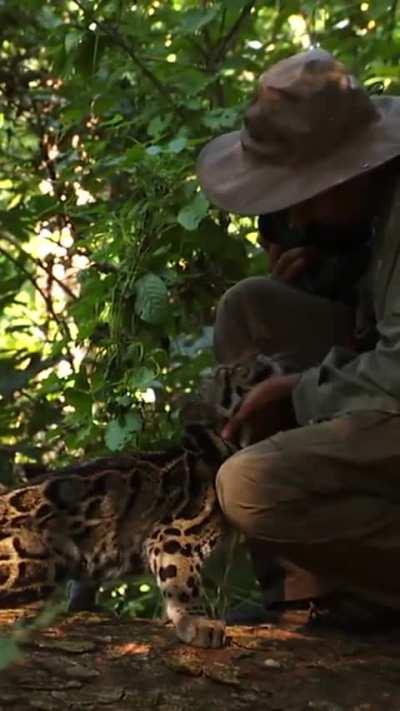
(116, 516)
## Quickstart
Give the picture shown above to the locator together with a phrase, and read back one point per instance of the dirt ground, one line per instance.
(91, 661)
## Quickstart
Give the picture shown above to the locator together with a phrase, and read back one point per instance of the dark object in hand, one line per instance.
(344, 252)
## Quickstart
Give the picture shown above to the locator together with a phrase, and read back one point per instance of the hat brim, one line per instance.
(239, 181)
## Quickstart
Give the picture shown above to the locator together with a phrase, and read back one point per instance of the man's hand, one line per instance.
(288, 265)
(274, 389)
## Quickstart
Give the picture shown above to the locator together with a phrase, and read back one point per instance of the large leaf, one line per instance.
(49, 18)
(119, 432)
(177, 144)
(141, 378)
(192, 214)
(221, 118)
(194, 20)
(151, 299)
(79, 399)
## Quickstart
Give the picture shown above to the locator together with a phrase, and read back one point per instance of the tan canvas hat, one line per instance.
(310, 127)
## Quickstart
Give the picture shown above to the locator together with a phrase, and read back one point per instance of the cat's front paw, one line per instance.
(201, 631)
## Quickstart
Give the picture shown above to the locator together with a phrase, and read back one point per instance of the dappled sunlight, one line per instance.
(148, 396)
(132, 649)
(46, 187)
(298, 27)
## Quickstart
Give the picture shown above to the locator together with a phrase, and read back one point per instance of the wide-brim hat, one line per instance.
(311, 126)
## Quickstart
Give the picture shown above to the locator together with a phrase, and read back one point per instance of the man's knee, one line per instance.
(250, 487)
(247, 290)
(243, 317)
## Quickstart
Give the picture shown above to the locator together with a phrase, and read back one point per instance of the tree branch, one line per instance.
(392, 18)
(227, 41)
(60, 322)
(113, 32)
(121, 41)
(30, 278)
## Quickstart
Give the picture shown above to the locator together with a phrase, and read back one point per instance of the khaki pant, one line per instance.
(321, 504)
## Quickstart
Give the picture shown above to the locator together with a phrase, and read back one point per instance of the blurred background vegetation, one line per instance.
(111, 259)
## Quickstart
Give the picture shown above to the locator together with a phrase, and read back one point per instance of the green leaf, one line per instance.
(43, 204)
(192, 214)
(48, 18)
(80, 400)
(141, 378)
(195, 19)
(133, 155)
(177, 144)
(9, 652)
(151, 299)
(221, 118)
(72, 39)
(158, 125)
(119, 431)
(12, 284)
(9, 289)
(153, 150)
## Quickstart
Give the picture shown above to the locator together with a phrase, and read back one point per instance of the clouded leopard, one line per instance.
(115, 516)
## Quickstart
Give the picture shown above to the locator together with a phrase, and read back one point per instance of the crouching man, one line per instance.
(318, 502)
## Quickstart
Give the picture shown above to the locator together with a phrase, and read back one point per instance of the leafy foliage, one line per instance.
(111, 258)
